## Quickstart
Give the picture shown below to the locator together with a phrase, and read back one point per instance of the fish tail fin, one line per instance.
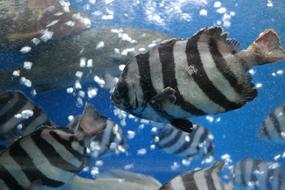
(90, 124)
(265, 49)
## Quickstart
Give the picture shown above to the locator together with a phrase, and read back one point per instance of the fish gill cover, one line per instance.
(62, 64)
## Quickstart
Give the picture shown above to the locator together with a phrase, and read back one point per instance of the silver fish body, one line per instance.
(207, 178)
(258, 175)
(21, 21)
(184, 78)
(177, 142)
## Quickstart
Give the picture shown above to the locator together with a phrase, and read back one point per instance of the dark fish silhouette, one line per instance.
(94, 52)
(21, 21)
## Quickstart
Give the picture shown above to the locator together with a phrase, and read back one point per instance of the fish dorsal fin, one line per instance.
(217, 33)
(233, 44)
(214, 32)
(130, 176)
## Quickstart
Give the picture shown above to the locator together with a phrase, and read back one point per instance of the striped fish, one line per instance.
(203, 179)
(183, 78)
(19, 116)
(49, 156)
(258, 175)
(109, 140)
(273, 127)
(177, 142)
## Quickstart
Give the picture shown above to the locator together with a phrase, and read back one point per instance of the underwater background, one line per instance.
(235, 132)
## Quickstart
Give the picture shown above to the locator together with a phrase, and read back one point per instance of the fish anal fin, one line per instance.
(182, 124)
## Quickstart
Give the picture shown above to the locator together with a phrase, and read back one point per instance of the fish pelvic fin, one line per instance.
(265, 49)
(182, 124)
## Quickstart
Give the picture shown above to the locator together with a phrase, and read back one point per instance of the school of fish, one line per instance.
(165, 80)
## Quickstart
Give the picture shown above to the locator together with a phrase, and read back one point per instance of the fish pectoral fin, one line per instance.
(167, 95)
(182, 124)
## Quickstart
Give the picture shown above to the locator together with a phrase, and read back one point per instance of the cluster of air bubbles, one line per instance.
(128, 166)
(186, 161)
(175, 165)
(131, 134)
(252, 72)
(269, 3)
(212, 119)
(258, 85)
(122, 115)
(141, 152)
(278, 73)
(227, 15)
(77, 90)
(280, 156)
(25, 114)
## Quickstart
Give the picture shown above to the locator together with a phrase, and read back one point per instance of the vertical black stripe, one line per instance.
(6, 97)
(222, 66)
(9, 180)
(68, 145)
(201, 78)
(189, 181)
(173, 140)
(147, 84)
(165, 132)
(242, 166)
(275, 124)
(12, 111)
(145, 77)
(28, 167)
(188, 145)
(169, 79)
(122, 90)
(51, 154)
(264, 129)
(208, 176)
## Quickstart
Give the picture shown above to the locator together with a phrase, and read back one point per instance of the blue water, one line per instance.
(235, 134)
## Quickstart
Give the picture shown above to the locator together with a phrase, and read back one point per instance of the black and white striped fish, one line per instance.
(182, 78)
(180, 143)
(49, 156)
(109, 140)
(258, 175)
(19, 116)
(203, 179)
(273, 127)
